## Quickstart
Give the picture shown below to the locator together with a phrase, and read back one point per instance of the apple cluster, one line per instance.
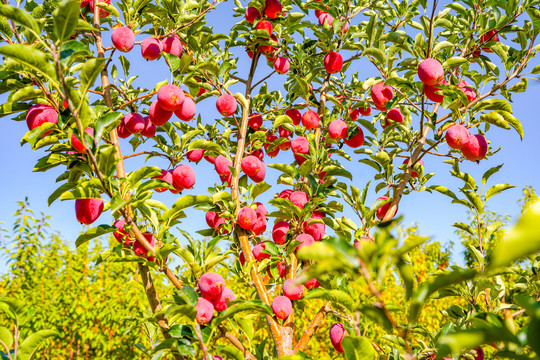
(214, 296)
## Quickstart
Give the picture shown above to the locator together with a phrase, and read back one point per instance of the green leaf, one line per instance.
(107, 160)
(496, 119)
(62, 189)
(32, 58)
(89, 73)
(189, 295)
(249, 305)
(443, 190)
(143, 173)
(20, 17)
(30, 345)
(534, 13)
(80, 193)
(203, 144)
(495, 189)
(66, 17)
(453, 61)
(93, 233)
(6, 337)
(260, 188)
(184, 202)
(281, 120)
(106, 123)
(358, 348)
(512, 121)
(334, 295)
(493, 104)
(490, 172)
(523, 240)
(377, 54)
(286, 169)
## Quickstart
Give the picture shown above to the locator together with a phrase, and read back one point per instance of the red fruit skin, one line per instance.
(195, 155)
(205, 311)
(292, 290)
(356, 140)
(134, 123)
(222, 165)
(489, 36)
(393, 115)
(139, 248)
(354, 114)
(299, 198)
(242, 258)
(457, 136)
(333, 62)
(158, 115)
(419, 162)
(172, 45)
(431, 92)
(246, 218)
(151, 48)
(210, 159)
(270, 138)
(326, 19)
(84, 3)
(337, 333)
(122, 131)
(381, 212)
(187, 110)
(282, 65)
(259, 226)
(170, 97)
(149, 128)
(88, 210)
(251, 165)
(252, 14)
(300, 145)
(282, 270)
(307, 240)
(284, 132)
(310, 120)
(165, 176)
(226, 105)
(255, 121)
(337, 129)
(273, 9)
(258, 252)
(479, 354)
(265, 25)
(260, 175)
(121, 235)
(220, 303)
(467, 89)
(218, 225)
(285, 194)
(279, 232)
(476, 148)
(312, 284)
(295, 115)
(282, 307)
(316, 230)
(210, 218)
(261, 210)
(184, 176)
(39, 114)
(102, 12)
(77, 144)
(123, 39)
(431, 72)
(211, 285)
(365, 111)
(381, 95)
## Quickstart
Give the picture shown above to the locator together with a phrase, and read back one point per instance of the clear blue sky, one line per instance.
(434, 212)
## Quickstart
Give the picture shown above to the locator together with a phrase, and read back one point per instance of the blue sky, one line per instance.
(434, 212)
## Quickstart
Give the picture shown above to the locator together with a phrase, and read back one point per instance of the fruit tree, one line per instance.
(385, 87)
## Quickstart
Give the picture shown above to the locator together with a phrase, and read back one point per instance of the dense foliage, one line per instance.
(445, 75)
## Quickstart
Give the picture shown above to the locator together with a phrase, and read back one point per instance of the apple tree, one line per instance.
(441, 78)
